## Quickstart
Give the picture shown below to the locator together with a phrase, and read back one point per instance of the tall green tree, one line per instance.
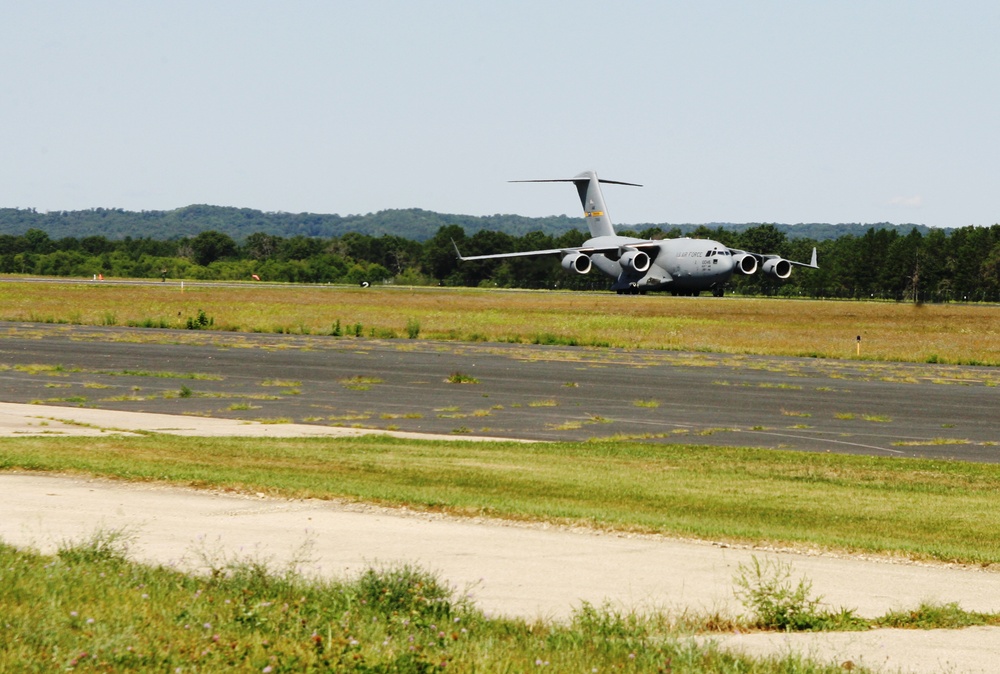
(210, 246)
(439, 252)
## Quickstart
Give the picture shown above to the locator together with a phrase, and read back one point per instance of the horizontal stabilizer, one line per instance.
(588, 187)
(573, 180)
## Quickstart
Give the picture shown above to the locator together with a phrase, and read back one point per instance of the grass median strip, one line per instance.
(912, 508)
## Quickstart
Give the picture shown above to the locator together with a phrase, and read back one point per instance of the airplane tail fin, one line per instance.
(588, 186)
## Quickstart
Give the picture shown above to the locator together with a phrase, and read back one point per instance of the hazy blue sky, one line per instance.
(798, 111)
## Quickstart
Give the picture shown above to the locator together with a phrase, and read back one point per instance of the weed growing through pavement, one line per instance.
(461, 378)
(51, 370)
(161, 375)
(359, 383)
(933, 442)
(236, 407)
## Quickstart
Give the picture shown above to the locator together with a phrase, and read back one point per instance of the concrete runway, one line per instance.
(528, 392)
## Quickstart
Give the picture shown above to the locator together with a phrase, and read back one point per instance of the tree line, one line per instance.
(240, 223)
(931, 266)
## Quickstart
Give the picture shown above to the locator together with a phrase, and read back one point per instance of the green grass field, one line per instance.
(936, 510)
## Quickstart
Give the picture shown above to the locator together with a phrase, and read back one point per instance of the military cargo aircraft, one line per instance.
(682, 266)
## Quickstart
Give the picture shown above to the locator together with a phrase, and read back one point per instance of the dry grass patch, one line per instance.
(359, 383)
(959, 334)
(282, 383)
(932, 442)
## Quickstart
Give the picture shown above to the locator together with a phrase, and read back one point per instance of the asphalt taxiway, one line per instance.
(516, 391)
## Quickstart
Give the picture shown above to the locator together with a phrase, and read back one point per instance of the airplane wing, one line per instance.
(763, 258)
(524, 253)
(611, 247)
(773, 265)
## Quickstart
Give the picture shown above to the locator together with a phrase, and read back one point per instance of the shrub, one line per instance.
(201, 322)
(767, 590)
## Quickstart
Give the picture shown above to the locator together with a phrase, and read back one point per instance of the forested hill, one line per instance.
(413, 224)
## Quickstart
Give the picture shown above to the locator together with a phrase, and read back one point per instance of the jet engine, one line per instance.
(577, 262)
(745, 263)
(777, 267)
(636, 260)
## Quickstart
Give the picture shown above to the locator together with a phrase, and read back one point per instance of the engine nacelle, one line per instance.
(777, 267)
(577, 262)
(636, 260)
(745, 263)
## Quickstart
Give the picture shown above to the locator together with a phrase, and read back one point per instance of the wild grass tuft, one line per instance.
(767, 590)
(360, 383)
(104, 545)
(406, 590)
(936, 616)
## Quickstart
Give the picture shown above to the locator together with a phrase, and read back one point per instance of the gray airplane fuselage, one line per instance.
(677, 265)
